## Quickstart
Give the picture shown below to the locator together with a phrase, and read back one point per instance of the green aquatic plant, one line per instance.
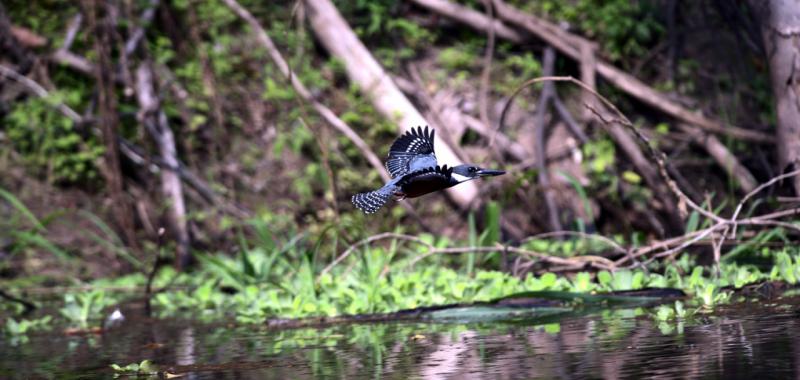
(621, 280)
(787, 267)
(82, 308)
(711, 294)
(671, 312)
(145, 368)
(17, 330)
(282, 278)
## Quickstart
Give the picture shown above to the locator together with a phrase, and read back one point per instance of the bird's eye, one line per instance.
(472, 169)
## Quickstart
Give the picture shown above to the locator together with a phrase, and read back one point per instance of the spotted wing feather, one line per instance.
(372, 201)
(411, 151)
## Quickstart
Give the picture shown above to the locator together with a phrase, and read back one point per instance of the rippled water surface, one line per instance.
(749, 340)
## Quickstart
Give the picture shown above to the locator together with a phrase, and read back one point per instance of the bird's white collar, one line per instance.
(461, 178)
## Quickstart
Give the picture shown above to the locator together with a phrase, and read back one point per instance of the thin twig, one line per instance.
(756, 191)
(39, 91)
(483, 94)
(659, 157)
(127, 148)
(582, 235)
(324, 112)
(573, 262)
(374, 238)
(568, 119)
(72, 31)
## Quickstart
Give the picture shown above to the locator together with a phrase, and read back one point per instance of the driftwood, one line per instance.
(362, 68)
(155, 121)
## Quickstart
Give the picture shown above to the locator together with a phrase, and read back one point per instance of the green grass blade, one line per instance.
(25, 211)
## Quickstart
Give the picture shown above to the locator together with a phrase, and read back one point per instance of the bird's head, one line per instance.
(467, 172)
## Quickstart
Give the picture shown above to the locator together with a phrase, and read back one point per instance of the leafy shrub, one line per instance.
(49, 142)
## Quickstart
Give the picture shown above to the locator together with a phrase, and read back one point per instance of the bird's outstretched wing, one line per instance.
(426, 181)
(411, 152)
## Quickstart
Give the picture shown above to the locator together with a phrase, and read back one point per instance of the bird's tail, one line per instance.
(371, 201)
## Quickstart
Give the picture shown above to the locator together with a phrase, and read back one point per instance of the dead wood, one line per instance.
(721, 227)
(569, 45)
(540, 139)
(135, 154)
(155, 121)
(138, 33)
(569, 263)
(568, 119)
(724, 158)
(501, 141)
(72, 30)
(624, 141)
(324, 112)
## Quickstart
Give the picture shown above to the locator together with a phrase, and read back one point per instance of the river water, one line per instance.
(754, 339)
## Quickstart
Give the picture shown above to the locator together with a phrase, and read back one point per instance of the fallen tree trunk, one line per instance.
(569, 45)
(324, 112)
(578, 48)
(362, 68)
(724, 158)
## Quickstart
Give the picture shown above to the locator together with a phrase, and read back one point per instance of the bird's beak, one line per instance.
(489, 173)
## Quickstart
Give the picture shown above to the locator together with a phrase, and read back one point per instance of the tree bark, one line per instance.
(155, 121)
(540, 138)
(362, 68)
(780, 28)
(109, 121)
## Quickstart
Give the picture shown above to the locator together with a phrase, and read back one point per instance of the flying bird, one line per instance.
(415, 172)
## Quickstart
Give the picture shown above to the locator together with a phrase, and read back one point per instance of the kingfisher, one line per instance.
(415, 172)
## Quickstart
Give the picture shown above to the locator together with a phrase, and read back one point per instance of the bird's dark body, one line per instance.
(415, 172)
(420, 183)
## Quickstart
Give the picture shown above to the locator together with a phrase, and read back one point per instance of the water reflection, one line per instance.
(745, 341)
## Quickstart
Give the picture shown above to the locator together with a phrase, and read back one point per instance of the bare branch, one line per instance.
(324, 112)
